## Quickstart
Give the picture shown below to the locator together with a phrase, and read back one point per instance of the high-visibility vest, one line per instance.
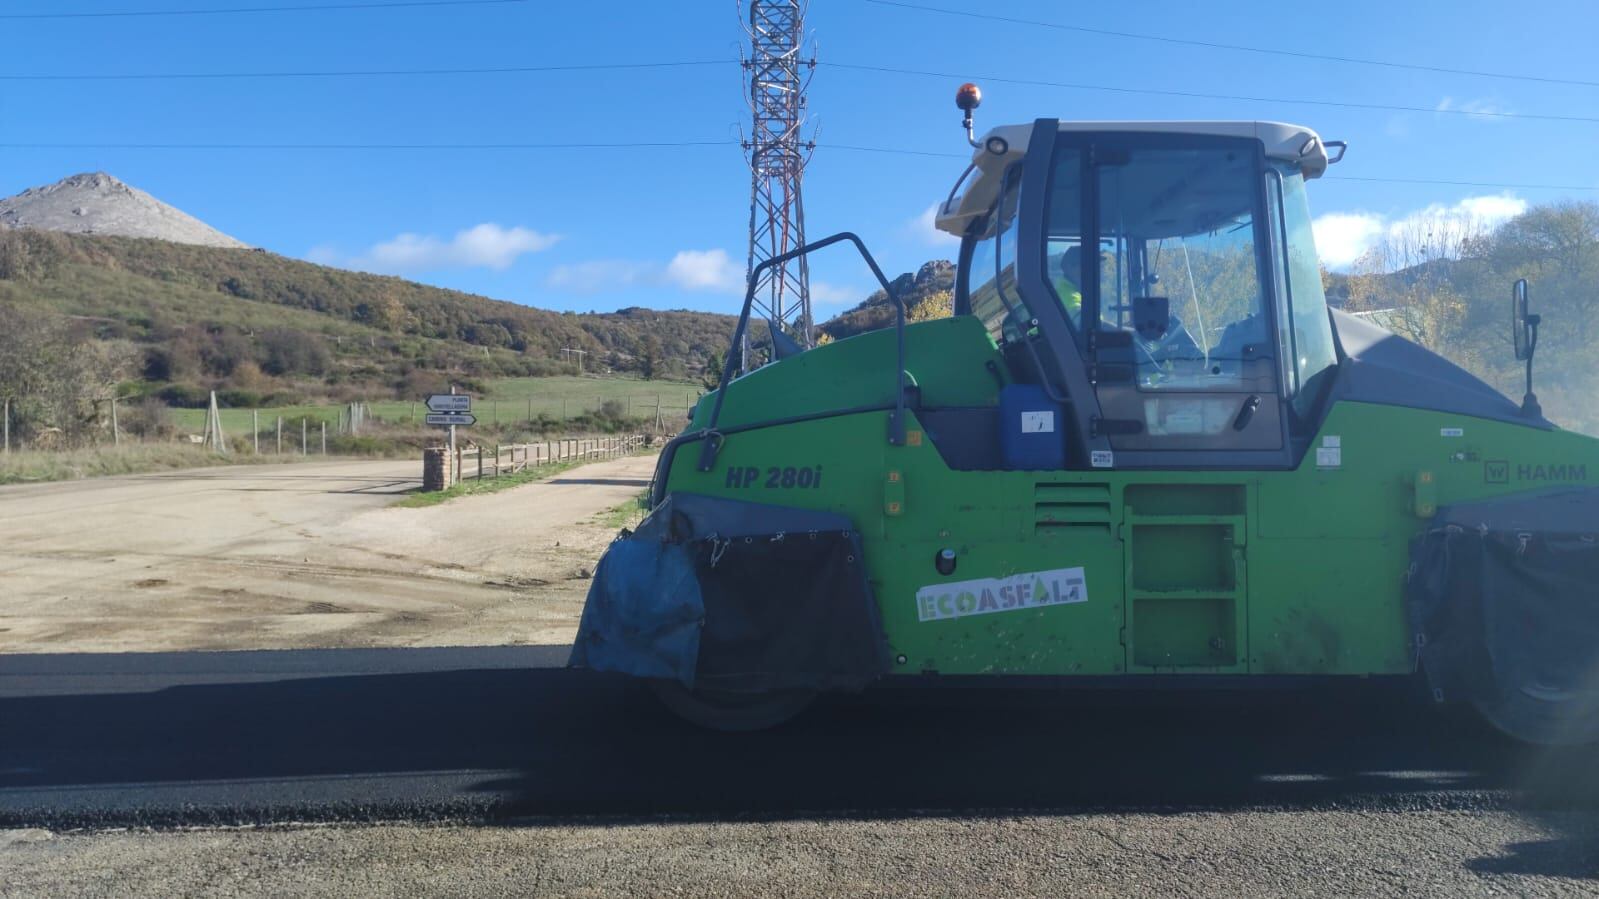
(1071, 299)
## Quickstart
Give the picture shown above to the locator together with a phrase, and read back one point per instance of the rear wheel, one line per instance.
(726, 710)
(1547, 714)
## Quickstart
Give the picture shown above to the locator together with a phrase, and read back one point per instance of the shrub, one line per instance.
(185, 396)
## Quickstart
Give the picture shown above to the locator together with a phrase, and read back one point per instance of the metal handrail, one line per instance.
(896, 422)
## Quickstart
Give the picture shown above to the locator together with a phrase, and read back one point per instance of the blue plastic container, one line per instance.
(1031, 429)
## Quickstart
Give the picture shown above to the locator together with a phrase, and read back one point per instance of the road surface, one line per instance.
(477, 759)
(491, 769)
(294, 556)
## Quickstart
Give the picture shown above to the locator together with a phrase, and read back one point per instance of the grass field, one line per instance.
(19, 467)
(509, 401)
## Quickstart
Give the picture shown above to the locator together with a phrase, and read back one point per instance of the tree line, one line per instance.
(1445, 284)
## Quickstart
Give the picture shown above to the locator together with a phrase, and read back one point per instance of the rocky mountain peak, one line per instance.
(100, 203)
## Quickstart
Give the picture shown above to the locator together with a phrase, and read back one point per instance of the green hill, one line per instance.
(245, 320)
(925, 293)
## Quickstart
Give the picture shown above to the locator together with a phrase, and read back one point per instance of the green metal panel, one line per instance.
(946, 358)
(1265, 572)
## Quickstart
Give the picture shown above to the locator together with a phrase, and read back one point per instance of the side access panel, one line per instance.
(1187, 578)
(1037, 583)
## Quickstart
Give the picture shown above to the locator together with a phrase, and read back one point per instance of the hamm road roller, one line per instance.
(1143, 450)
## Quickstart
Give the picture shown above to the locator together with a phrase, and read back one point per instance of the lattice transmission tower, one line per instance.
(776, 75)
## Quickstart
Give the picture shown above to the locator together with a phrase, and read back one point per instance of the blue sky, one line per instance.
(665, 227)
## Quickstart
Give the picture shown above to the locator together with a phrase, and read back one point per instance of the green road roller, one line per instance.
(1142, 451)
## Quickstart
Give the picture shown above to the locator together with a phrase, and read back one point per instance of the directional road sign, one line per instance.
(450, 418)
(449, 402)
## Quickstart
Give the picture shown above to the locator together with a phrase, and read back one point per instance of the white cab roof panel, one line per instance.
(1290, 143)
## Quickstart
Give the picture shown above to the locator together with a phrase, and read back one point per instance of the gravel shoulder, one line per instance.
(1255, 853)
(299, 556)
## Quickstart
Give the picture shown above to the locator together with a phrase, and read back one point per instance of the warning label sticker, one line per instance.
(1038, 422)
(1030, 590)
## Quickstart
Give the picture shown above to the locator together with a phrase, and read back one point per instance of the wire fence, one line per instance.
(309, 430)
(669, 407)
(505, 459)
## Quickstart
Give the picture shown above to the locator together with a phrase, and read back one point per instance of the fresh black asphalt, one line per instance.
(496, 733)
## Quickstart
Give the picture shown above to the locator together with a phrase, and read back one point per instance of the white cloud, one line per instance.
(482, 246)
(1492, 211)
(825, 294)
(1480, 109)
(600, 275)
(1343, 237)
(712, 271)
(923, 230)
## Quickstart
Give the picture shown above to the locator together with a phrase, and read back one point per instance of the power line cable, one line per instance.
(588, 145)
(647, 145)
(1244, 48)
(343, 73)
(308, 7)
(1498, 184)
(1199, 95)
(694, 63)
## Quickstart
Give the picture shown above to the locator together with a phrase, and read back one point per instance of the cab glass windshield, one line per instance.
(990, 273)
(1179, 273)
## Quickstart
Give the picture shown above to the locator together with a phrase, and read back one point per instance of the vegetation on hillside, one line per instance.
(1446, 285)
(926, 294)
(271, 329)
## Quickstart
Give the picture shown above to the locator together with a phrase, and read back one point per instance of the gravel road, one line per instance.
(1252, 853)
(294, 556)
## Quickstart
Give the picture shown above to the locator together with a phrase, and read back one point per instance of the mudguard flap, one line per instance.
(1505, 592)
(737, 596)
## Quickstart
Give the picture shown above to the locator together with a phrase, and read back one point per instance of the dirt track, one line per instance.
(306, 555)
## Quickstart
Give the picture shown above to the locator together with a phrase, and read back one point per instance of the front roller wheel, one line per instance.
(731, 711)
(1545, 714)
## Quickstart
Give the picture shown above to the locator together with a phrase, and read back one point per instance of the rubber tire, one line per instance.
(1541, 721)
(731, 712)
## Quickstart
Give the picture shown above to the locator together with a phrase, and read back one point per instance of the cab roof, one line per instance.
(1289, 143)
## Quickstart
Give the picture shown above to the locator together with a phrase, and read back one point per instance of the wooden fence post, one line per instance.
(255, 430)
(280, 435)
(302, 435)
(8, 425)
(324, 438)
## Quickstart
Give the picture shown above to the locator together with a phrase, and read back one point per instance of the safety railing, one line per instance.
(711, 439)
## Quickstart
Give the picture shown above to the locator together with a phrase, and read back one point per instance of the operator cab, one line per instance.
(1155, 282)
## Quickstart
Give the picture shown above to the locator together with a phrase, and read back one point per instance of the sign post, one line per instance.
(449, 410)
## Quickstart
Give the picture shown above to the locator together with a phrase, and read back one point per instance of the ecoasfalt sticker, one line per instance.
(1013, 593)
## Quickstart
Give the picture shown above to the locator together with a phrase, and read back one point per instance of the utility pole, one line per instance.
(453, 461)
(569, 352)
(776, 77)
(213, 427)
